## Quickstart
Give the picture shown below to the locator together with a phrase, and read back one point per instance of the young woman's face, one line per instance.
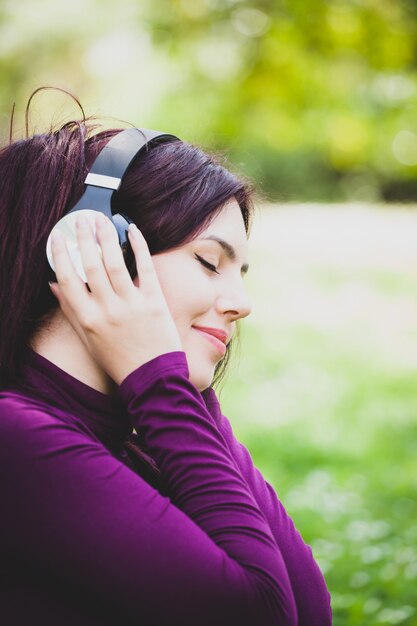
(199, 297)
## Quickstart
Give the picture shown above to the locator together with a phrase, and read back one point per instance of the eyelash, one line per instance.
(206, 264)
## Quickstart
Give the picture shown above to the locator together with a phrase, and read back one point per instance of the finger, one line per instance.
(72, 288)
(68, 311)
(113, 257)
(148, 279)
(92, 261)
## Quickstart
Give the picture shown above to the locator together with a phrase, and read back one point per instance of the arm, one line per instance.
(308, 585)
(207, 556)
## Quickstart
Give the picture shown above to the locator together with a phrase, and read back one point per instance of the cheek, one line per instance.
(173, 289)
(188, 293)
(176, 286)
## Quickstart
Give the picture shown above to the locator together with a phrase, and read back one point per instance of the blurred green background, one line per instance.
(316, 102)
(315, 99)
(324, 394)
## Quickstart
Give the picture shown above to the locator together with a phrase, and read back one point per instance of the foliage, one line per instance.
(314, 99)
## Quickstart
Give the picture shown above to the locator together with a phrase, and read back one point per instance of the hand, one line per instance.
(121, 325)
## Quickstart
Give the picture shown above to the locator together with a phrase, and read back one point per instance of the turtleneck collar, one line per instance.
(103, 414)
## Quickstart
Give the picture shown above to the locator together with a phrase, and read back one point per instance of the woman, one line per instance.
(171, 524)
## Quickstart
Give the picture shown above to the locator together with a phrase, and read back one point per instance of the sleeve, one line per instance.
(310, 592)
(205, 555)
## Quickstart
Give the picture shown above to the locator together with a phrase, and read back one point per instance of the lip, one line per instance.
(215, 336)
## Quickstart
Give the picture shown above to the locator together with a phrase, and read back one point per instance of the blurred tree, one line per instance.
(316, 100)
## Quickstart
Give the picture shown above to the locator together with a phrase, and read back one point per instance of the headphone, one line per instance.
(103, 179)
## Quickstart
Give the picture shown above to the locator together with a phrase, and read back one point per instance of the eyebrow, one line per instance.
(229, 250)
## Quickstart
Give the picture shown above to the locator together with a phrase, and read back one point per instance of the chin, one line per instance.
(201, 377)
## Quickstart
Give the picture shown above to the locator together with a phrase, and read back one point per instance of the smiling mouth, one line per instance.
(219, 345)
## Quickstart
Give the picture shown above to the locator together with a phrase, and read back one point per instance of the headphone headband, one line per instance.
(110, 165)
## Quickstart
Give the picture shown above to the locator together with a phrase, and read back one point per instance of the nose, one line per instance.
(234, 303)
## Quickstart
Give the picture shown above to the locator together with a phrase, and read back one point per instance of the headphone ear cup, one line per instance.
(67, 227)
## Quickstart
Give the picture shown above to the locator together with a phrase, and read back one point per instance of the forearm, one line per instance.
(203, 480)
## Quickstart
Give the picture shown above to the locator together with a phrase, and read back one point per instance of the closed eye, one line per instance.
(209, 266)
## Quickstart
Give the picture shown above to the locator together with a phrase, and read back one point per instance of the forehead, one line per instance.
(229, 225)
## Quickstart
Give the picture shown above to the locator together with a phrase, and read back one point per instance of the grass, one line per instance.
(325, 394)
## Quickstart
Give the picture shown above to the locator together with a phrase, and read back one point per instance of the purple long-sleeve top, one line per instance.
(92, 535)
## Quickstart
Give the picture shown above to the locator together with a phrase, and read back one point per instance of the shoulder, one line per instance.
(27, 420)
(17, 409)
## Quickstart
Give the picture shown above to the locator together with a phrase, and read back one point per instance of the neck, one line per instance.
(59, 343)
